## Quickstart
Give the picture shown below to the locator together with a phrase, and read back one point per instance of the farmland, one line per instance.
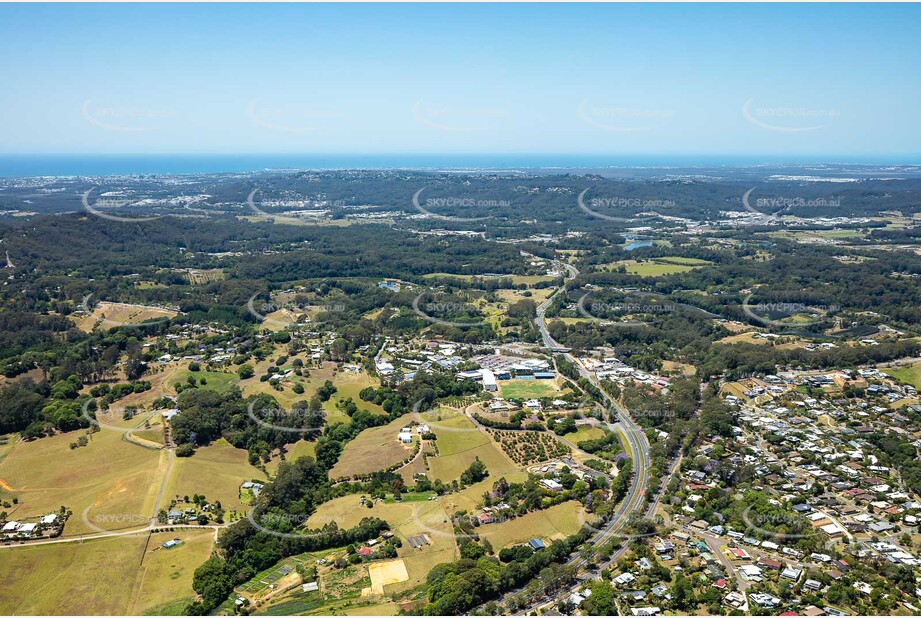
(459, 442)
(554, 523)
(214, 471)
(124, 575)
(374, 449)
(529, 447)
(108, 477)
(106, 315)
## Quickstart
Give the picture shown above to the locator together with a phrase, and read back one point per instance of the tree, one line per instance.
(601, 602)
(245, 371)
(475, 473)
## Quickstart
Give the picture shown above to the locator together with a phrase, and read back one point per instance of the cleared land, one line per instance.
(124, 575)
(214, 380)
(301, 448)
(459, 442)
(374, 449)
(112, 480)
(585, 432)
(107, 315)
(406, 518)
(910, 374)
(215, 472)
(557, 522)
(386, 573)
(658, 267)
(527, 389)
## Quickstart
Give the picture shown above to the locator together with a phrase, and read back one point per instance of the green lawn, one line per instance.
(528, 389)
(909, 375)
(216, 380)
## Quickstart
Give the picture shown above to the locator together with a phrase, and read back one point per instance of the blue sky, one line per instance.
(825, 80)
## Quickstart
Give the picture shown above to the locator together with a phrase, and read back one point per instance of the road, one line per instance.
(148, 529)
(634, 437)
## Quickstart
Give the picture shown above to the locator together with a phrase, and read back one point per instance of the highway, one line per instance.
(635, 440)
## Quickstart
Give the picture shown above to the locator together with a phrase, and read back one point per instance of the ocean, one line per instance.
(20, 165)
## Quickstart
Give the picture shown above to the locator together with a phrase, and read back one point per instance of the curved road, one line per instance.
(634, 438)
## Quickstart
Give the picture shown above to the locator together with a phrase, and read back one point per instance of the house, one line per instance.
(536, 545)
(48, 520)
(10, 526)
(623, 579)
(485, 518)
(489, 380)
(791, 573)
(170, 543)
(365, 551)
(646, 611)
(812, 584)
(551, 485)
(26, 529)
(405, 436)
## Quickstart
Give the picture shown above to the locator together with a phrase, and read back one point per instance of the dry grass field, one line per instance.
(557, 522)
(374, 449)
(459, 442)
(407, 518)
(106, 315)
(386, 573)
(109, 478)
(215, 472)
(123, 575)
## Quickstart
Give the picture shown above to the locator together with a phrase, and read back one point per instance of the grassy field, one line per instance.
(374, 449)
(111, 478)
(166, 574)
(214, 471)
(585, 432)
(652, 268)
(347, 383)
(516, 279)
(746, 337)
(301, 448)
(556, 522)
(407, 518)
(108, 315)
(910, 374)
(457, 449)
(528, 389)
(124, 575)
(216, 380)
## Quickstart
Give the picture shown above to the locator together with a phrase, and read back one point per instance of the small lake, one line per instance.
(636, 244)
